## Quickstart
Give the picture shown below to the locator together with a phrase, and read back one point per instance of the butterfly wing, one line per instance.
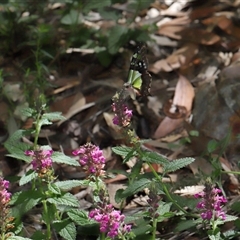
(139, 79)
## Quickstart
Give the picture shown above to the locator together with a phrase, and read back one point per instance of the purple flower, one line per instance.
(5, 219)
(111, 221)
(211, 203)
(122, 114)
(4, 194)
(91, 158)
(41, 159)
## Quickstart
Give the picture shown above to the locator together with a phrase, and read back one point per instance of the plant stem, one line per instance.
(166, 190)
(102, 236)
(45, 209)
(38, 129)
(154, 229)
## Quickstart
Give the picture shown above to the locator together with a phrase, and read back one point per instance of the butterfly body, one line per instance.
(139, 79)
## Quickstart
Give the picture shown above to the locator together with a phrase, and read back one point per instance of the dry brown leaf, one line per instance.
(117, 178)
(171, 31)
(167, 126)
(201, 163)
(224, 23)
(184, 95)
(181, 57)
(194, 35)
(204, 11)
(190, 190)
(112, 189)
(227, 167)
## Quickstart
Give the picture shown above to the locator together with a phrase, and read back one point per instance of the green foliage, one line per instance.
(80, 217)
(66, 229)
(15, 147)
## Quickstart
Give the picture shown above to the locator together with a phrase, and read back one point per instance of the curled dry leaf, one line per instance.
(184, 95)
(182, 56)
(225, 23)
(195, 35)
(190, 190)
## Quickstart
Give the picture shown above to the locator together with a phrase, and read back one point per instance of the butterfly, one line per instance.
(139, 79)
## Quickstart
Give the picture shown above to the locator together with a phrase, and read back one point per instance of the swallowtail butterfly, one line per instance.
(139, 79)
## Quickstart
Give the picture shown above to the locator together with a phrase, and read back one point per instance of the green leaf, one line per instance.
(122, 150)
(73, 17)
(24, 203)
(28, 112)
(38, 235)
(18, 238)
(153, 157)
(230, 218)
(80, 217)
(59, 157)
(16, 147)
(54, 188)
(212, 145)
(185, 224)
(164, 212)
(136, 187)
(96, 5)
(177, 164)
(143, 228)
(53, 116)
(117, 38)
(28, 177)
(50, 215)
(69, 184)
(67, 200)
(66, 229)
(104, 58)
(109, 15)
(236, 206)
(119, 196)
(164, 208)
(214, 234)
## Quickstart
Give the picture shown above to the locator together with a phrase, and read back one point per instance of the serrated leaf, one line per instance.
(152, 157)
(28, 112)
(16, 148)
(122, 150)
(136, 187)
(59, 157)
(54, 188)
(164, 208)
(177, 164)
(28, 177)
(53, 116)
(230, 218)
(80, 217)
(69, 184)
(18, 238)
(67, 200)
(66, 229)
(44, 122)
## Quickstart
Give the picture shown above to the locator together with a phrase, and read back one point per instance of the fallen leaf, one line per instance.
(179, 58)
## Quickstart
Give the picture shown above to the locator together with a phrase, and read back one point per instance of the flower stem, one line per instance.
(102, 236)
(47, 221)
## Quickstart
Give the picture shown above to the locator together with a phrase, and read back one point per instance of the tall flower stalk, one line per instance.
(5, 218)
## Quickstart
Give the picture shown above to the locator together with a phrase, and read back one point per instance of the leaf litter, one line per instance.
(197, 71)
